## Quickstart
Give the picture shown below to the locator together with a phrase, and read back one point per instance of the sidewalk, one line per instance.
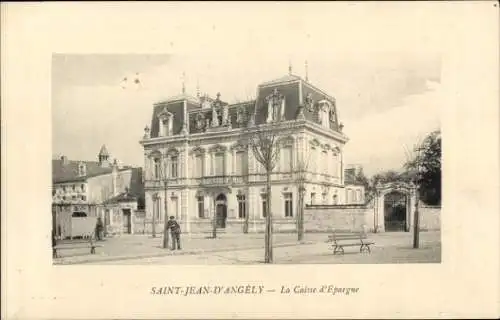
(145, 246)
(134, 247)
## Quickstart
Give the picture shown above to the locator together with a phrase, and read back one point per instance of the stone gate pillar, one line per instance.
(379, 224)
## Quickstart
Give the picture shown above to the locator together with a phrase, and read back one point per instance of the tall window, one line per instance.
(157, 209)
(286, 156)
(174, 167)
(199, 166)
(157, 168)
(201, 207)
(166, 129)
(324, 160)
(358, 196)
(313, 196)
(174, 203)
(241, 206)
(335, 199)
(239, 168)
(219, 164)
(288, 204)
(324, 198)
(314, 163)
(335, 165)
(264, 205)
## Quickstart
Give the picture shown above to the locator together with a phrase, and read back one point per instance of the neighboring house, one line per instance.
(95, 189)
(196, 142)
(354, 190)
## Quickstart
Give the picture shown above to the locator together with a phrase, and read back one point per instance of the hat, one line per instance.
(172, 217)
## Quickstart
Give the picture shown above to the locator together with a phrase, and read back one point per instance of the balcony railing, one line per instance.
(220, 180)
(239, 179)
(157, 183)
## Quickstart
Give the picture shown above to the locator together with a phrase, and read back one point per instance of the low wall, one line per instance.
(232, 226)
(430, 217)
(321, 218)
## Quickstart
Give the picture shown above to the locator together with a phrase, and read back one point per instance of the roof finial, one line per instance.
(307, 73)
(289, 67)
(183, 82)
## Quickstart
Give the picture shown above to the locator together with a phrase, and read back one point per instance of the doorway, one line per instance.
(220, 211)
(395, 212)
(127, 221)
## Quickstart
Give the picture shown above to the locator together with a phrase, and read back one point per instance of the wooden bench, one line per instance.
(80, 245)
(340, 240)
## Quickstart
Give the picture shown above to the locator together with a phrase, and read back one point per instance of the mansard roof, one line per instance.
(299, 94)
(239, 114)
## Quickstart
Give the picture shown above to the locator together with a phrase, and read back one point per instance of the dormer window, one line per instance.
(82, 169)
(275, 106)
(165, 119)
(324, 113)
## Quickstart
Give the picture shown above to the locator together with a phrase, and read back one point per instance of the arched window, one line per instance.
(174, 166)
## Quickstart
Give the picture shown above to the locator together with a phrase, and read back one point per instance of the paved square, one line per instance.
(236, 249)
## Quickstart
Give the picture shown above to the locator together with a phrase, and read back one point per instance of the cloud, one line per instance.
(377, 141)
(87, 116)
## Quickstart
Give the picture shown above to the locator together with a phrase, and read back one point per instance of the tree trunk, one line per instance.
(416, 223)
(245, 225)
(214, 222)
(153, 223)
(269, 230)
(165, 229)
(300, 217)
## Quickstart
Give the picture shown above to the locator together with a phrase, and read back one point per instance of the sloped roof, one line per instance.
(69, 172)
(122, 197)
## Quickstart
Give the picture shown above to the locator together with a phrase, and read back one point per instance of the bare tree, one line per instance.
(264, 142)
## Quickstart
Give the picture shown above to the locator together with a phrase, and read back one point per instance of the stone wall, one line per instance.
(430, 217)
(337, 217)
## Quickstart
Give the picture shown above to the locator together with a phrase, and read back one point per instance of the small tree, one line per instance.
(264, 142)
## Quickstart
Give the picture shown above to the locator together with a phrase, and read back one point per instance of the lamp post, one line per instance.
(153, 222)
(165, 220)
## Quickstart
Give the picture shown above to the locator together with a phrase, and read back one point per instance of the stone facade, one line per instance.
(198, 164)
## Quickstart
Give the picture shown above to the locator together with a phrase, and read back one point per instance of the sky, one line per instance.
(387, 87)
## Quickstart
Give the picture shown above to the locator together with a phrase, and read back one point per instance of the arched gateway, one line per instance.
(394, 206)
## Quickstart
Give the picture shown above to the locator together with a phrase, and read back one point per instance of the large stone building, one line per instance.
(196, 156)
(95, 189)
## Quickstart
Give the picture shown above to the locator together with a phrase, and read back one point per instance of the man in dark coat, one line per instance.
(175, 231)
(99, 229)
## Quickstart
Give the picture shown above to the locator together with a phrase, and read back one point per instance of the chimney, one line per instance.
(64, 160)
